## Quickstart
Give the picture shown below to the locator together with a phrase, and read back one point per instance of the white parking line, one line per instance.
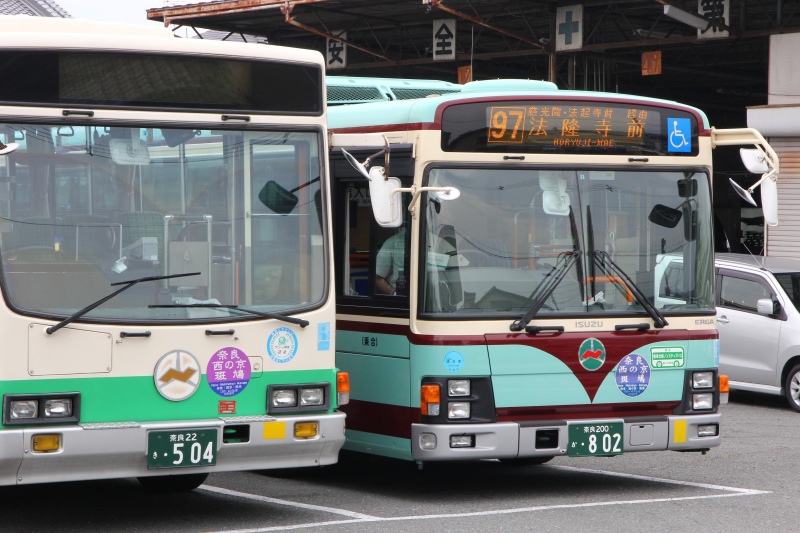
(267, 499)
(361, 518)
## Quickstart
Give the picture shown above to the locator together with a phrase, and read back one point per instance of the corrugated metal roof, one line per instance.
(36, 8)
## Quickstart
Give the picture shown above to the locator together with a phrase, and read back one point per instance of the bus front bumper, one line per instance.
(118, 450)
(510, 440)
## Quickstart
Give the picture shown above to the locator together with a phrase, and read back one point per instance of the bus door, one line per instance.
(372, 344)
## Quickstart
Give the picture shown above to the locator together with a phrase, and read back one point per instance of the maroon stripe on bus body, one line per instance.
(380, 418)
(522, 338)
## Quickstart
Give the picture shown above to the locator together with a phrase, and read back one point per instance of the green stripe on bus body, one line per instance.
(359, 441)
(135, 399)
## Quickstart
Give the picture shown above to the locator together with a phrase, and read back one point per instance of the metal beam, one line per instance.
(439, 4)
(329, 35)
(173, 15)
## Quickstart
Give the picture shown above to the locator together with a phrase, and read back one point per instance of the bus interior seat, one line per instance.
(95, 235)
(138, 224)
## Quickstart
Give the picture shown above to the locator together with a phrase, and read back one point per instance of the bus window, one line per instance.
(376, 259)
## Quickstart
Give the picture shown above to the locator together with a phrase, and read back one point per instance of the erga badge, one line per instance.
(592, 354)
(282, 345)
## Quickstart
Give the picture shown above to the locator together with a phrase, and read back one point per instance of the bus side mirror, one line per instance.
(755, 160)
(386, 204)
(769, 201)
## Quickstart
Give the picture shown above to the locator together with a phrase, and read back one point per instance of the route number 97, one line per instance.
(506, 125)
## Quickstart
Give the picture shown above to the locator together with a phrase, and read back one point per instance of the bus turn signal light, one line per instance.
(430, 399)
(724, 389)
(342, 388)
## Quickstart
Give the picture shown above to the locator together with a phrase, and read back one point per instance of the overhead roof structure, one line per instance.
(519, 38)
(37, 8)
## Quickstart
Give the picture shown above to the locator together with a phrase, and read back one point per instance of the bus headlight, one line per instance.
(458, 410)
(284, 398)
(313, 396)
(22, 409)
(58, 408)
(51, 408)
(702, 380)
(458, 387)
(702, 401)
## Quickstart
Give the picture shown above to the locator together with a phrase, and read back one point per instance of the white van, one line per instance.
(759, 324)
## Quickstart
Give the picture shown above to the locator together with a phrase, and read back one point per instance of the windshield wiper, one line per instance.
(659, 320)
(546, 287)
(290, 319)
(127, 285)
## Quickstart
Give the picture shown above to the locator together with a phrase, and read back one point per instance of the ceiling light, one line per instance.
(695, 21)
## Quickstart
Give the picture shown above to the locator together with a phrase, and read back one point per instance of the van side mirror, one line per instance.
(767, 307)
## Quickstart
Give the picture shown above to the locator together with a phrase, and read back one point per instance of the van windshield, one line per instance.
(791, 286)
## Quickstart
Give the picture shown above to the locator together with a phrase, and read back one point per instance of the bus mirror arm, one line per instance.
(439, 193)
(760, 159)
(383, 192)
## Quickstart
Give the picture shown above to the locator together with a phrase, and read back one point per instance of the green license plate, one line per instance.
(181, 449)
(604, 438)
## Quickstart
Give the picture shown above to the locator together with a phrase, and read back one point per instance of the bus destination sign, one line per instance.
(569, 127)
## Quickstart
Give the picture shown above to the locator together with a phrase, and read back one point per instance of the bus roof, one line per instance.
(61, 34)
(422, 110)
(354, 90)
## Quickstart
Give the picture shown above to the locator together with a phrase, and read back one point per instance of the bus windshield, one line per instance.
(85, 206)
(585, 240)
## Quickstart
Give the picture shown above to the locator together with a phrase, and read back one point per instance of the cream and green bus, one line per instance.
(167, 305)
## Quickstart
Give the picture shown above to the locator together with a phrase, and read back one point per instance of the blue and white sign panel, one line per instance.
(680, 135)
(632, 375)
(444, 39)
(336, 51)
(569, 28)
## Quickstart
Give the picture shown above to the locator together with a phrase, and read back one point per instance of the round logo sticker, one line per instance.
(282, 345)
(633, 375)
(228, 371)
(453, 361)
(177, 375)
(592, 354)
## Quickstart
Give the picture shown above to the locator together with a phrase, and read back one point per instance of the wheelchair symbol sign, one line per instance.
(680, 135)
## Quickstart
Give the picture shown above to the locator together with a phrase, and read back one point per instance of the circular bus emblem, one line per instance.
(177, 375)
(592, 354)
(632, 375)
(282, 345)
